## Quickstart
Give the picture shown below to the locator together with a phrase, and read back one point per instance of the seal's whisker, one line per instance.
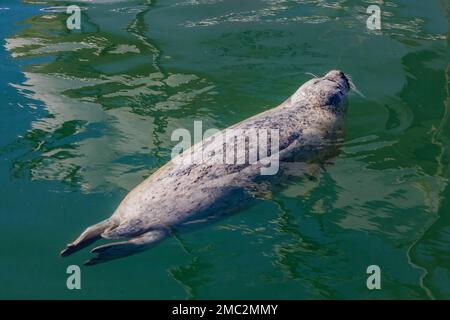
(311, 74)
(353, 86)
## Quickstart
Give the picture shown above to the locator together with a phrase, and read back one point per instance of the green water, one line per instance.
(87, 115)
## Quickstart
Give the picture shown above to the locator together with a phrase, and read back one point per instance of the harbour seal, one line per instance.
(179, 195)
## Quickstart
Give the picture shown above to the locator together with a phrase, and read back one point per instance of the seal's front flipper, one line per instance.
(90, 235)
(122, 249)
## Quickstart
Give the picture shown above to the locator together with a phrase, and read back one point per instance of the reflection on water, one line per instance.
(192, 275)
(111, 95)
(108, 101)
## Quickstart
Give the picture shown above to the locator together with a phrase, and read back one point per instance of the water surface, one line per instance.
(87, 115)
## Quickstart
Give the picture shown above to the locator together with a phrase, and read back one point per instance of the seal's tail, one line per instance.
(122, 249)
(90, 235)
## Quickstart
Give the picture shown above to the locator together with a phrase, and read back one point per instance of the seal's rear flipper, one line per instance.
(90, 235)
(122, 249)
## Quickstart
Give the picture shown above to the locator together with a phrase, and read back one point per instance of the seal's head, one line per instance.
(329, 91)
